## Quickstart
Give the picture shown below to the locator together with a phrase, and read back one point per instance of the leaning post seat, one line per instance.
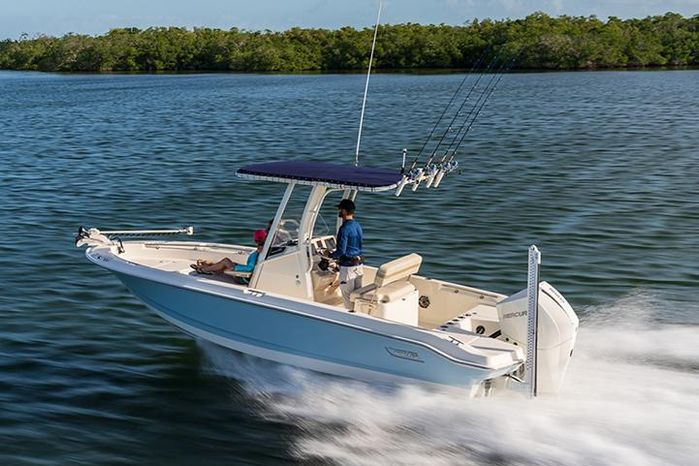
(391, 296)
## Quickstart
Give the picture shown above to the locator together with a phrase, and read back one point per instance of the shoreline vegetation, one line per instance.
(539, 41)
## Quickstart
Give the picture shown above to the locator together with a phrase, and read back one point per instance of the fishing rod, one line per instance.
(505, 68)
(416, 175)
(468, 95)
(458, 111)
(477, 107)
(453, 97)
(366, 86)
(445, 166)
(434, 173)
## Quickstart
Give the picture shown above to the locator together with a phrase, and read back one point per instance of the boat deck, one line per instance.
(451, 308)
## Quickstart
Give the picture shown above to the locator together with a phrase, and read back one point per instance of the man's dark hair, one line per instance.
(347, 205)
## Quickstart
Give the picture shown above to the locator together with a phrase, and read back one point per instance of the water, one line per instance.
(599, 169)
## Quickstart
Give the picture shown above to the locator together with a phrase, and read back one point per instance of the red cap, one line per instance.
(259, 236)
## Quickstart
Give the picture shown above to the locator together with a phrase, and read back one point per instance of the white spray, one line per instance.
(630, 398)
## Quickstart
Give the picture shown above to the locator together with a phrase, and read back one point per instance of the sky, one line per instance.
(58, 17)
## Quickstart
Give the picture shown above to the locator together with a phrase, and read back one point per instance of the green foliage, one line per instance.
(539, 41)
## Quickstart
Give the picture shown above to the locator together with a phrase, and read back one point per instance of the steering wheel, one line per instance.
(328, 263)
(284, 235)
(291, 221)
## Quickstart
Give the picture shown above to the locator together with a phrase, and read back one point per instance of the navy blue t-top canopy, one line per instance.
(326, 174)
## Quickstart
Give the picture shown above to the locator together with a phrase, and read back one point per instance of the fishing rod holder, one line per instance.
(432, 174)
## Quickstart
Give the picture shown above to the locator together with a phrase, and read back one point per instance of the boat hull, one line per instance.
(261, 328)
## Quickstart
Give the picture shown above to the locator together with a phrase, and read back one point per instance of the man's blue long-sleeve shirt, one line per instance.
(349, 242)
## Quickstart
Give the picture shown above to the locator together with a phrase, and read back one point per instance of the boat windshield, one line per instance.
(327, 221)
(287, 232)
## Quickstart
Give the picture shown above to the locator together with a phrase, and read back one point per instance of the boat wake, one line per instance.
(630, 398)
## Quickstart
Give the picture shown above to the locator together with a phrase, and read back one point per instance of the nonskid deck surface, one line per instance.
(179, 256)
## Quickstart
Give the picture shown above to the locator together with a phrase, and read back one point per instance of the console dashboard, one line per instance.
(323, 243)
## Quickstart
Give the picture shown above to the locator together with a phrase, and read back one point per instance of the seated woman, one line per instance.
(210, 268)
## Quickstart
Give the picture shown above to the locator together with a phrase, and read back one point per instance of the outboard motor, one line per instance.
(557, 329)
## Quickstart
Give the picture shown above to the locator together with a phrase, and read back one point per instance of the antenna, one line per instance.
(366, 86)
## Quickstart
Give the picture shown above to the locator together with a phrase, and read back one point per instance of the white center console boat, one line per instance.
(402, 325)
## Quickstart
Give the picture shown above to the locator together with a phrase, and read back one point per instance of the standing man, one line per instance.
(349, 251)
